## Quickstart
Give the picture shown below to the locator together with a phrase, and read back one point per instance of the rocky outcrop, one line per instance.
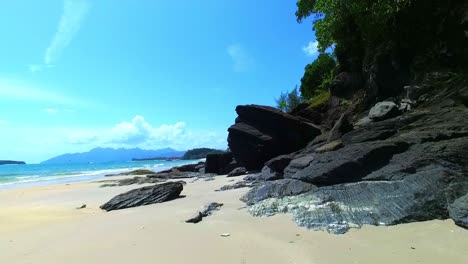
(262, 133)
(384, 110)
(220, 163)
(144, 196)
(403, 169)
(274, 168)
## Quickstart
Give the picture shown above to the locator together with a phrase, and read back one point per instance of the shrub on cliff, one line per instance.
(288, 101)
(317, 76)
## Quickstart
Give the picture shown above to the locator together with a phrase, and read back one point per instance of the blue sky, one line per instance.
(77, 74)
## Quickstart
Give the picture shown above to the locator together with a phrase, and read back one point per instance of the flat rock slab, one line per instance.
(144, 196)
(340, 207)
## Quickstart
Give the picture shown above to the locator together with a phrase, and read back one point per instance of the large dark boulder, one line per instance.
(274, 168)
(220, 163)
(144, 196)
(262, 133)
(458, 211)
(237, 172)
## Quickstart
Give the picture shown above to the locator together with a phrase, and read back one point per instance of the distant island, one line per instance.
(200, 153)
(7, 162)
(99, 155)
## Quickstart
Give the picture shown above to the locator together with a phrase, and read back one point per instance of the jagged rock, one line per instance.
(220, 163)
(334, 145)
(144, 196)
(196, 218)
(237, 172)
(383, 110)
(274, 168)
(414, 91)
(341, 127)
(206, 211)
(348, 164)
(274, 189)
(262, 133)
(458, 211)
(210, 208)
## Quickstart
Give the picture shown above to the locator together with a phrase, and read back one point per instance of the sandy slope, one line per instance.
(41, 225)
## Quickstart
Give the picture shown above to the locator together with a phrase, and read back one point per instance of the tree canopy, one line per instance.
(316, 75)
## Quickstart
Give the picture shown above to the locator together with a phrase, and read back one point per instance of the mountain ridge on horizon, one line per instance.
(100, 154)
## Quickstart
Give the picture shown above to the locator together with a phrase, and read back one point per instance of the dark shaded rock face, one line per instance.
(237, 172)
(348, 164)
(220, 163)
(144, 196)
(458, 211)
(409, 168)
(190, 167)
(274, 168)
(262, 133)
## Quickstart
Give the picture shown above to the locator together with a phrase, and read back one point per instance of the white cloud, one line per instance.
(74, 13)
(140, 133)
(17, 90)
(241, 59)
(50, 110)
(311, 49)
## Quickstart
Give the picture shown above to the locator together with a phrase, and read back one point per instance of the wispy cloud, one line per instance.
(241, 59)
(74, 13)
(22, 91)
(140, 133)
(51, 110)
(311, 49)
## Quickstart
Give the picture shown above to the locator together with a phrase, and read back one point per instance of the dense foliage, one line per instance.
(200, 153)
(359, 28)
(317, 76)
(288, 101)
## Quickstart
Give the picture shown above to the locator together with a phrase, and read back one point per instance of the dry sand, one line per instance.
(41, 225)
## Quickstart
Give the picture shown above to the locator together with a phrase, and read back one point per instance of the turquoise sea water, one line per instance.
(12, 176)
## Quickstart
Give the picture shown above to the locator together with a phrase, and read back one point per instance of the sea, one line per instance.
(14, 176)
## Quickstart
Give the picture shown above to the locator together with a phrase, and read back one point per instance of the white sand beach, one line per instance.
(42, 225)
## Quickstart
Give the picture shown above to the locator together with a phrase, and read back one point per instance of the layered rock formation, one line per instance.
(388, 170)
(144, 196)
(261, 133)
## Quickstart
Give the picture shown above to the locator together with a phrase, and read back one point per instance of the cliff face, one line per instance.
(6, 162)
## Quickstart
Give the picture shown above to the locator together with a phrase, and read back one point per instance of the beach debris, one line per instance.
(81, 207)
(207, 210)
(144, 196)
(225, 234)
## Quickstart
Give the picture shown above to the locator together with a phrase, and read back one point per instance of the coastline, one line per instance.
(42, 225)
(86, 174)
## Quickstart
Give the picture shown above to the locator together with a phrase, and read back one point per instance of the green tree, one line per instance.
(317, 75)
(288, 101)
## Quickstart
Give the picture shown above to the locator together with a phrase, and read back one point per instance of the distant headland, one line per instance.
(7, 162)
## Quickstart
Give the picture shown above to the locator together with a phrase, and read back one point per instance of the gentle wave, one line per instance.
(66, 173)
